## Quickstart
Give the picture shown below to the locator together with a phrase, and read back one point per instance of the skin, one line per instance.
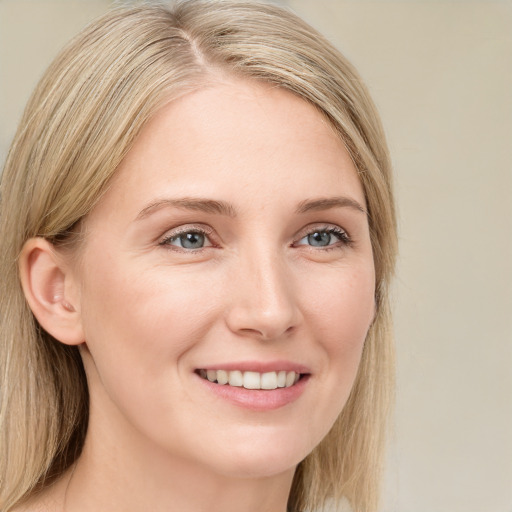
(152, 312)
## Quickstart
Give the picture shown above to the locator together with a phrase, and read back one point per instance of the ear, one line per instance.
(50, 290)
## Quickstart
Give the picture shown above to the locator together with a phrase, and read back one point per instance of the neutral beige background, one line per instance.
(441, 74)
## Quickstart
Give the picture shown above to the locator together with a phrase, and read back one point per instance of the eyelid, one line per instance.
(207, 231)
(329, 228)
(183, 229)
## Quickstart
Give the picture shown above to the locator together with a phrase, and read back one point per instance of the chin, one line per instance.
(261, 457)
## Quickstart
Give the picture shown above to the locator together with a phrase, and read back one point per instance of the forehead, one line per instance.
(236, 136)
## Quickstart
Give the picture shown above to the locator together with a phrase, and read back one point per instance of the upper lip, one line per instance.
(259, 366)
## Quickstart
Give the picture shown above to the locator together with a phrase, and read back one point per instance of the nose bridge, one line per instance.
(264, 302)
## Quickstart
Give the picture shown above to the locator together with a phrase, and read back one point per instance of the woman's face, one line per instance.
(232, 245)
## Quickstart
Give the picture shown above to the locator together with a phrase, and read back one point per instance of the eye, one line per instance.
(324, 238)
(191, 239)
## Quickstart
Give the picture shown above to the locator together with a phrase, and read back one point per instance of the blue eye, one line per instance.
(325, 238)
(188, 240)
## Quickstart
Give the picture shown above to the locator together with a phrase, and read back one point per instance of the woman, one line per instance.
(198, 236)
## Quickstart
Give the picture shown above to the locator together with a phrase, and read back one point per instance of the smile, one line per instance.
(250, 379)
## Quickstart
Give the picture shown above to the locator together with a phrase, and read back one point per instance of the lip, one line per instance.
(255, 399)
(259, 366)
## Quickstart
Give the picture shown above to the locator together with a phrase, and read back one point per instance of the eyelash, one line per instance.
(341, 234)
(206, 232)
(343, 237)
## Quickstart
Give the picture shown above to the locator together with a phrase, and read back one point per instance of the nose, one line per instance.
(264, 304)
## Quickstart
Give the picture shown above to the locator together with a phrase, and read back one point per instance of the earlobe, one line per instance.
(48, 284)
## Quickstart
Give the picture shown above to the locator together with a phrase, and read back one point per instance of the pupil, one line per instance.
(319, 239)
(192, 240)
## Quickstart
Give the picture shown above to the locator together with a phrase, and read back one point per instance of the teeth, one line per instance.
(290, 379)
(222, 377)
(269, 380)
(236, 378)
(252, 380)
(281, 379)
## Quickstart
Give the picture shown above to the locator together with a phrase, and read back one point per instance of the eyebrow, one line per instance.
(223, 208)
(189, 203)
(327, 203)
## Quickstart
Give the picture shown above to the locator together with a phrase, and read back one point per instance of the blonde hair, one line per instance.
(79, 124)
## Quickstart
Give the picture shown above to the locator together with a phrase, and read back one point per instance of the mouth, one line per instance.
(252, 380)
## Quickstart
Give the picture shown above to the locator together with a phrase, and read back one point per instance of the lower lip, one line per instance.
(258, 399)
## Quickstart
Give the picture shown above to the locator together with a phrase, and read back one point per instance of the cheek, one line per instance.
(136, 320)
(343, 305)
(341, 318)
(139, 331)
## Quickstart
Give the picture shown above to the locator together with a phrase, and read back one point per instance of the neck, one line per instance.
(117, 474)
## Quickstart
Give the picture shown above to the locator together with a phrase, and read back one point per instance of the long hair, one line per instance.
(79, 124)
